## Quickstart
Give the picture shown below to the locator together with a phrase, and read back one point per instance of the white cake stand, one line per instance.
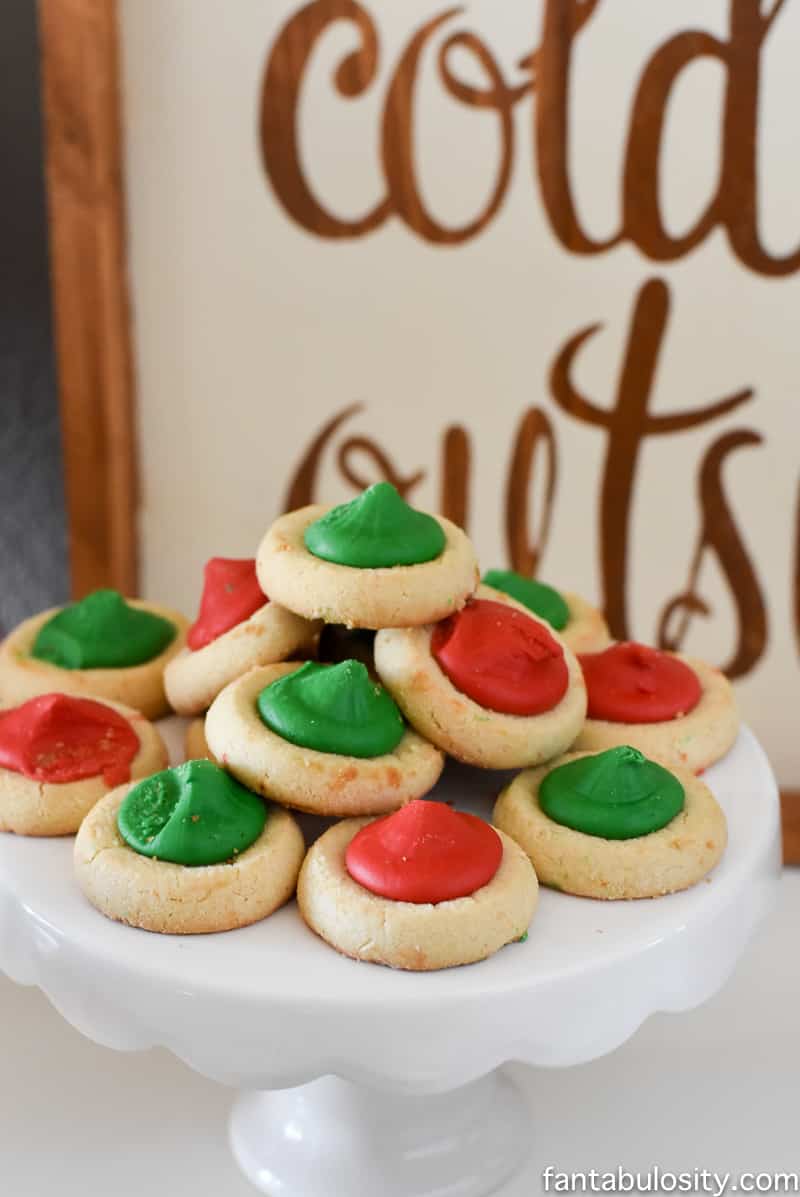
(397, 1084)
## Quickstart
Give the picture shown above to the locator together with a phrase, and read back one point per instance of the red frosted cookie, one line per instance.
(425, 852)
(492, 685)
(503, 660)
(676, 709)
(60, 754)
(424, 888)
(633, 683)
(231, 594)
(236, 629)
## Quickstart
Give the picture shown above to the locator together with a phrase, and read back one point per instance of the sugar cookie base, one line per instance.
(195, 744)
(194, 679)
(321, 783)
(400, 596)
(407, 935)
(673, 858)
(174, 899)
(692, 741)
(586, 630)
(138, 686)
(29, 807)
(463, 728)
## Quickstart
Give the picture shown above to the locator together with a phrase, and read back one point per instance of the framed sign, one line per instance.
(536, 263)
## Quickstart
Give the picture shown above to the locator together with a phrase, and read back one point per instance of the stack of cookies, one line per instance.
(333, 675)
(79, 687)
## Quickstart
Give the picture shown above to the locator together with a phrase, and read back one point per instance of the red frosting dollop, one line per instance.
(231, 594)
(632, 683)
(55, 739)
(424, 852)
(501, 658)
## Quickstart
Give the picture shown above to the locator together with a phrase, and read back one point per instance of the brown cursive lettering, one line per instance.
(627, 423)
(720, 536)
(525, 551)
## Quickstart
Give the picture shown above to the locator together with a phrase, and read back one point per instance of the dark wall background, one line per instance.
(33, 564)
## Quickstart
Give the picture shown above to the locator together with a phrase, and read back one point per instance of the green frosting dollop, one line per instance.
(333, 708)
(102, 632)
(617, 795)
(376, 530)
(543, 600)
(194, 814)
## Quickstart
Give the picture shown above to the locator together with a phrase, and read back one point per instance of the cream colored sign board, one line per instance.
(252, 331)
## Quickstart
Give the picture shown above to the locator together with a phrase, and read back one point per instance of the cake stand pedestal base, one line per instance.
(271, 1003)
(335, 1139)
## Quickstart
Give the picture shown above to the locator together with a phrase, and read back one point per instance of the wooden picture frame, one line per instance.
(84, 176)
(92, 315)
(790, 821)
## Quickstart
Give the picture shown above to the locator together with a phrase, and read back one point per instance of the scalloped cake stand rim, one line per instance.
(272, 1006)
